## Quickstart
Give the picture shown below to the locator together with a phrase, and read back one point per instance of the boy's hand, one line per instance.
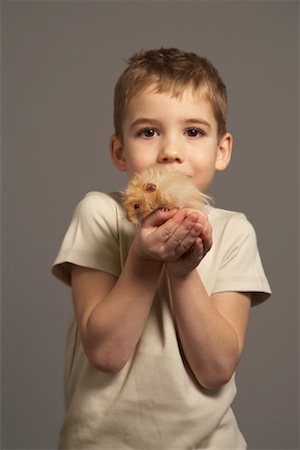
(202, 244)
(174, 236)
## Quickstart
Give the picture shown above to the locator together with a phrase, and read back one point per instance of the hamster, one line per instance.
(153, 189)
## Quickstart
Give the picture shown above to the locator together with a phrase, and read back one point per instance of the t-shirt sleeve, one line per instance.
(241, 268)
(91, 239)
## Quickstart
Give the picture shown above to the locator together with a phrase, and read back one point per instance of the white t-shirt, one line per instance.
(154, 402)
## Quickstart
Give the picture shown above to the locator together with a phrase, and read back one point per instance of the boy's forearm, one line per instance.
(209, 342)
(118, 319)
(117, 322)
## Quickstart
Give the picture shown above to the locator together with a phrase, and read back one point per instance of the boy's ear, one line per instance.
(224, 152)
(117, 153)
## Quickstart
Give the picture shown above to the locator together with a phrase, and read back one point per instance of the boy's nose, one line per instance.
(171, 153)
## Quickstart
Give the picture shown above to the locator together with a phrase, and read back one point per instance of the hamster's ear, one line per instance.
(224, 152)
(117, 153)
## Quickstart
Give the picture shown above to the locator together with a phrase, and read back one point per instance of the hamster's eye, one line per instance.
(136, 206)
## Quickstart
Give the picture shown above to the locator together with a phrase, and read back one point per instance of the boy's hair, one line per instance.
(170, 70)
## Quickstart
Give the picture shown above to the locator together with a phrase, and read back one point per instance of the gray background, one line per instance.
(60, 61)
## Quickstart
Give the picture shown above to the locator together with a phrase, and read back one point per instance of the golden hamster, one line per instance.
(154, 189)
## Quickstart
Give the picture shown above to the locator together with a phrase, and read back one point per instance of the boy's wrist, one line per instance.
(142, 263)
(178, 274)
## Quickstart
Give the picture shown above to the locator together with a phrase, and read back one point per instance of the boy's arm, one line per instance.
(211, 329)
(111, 312)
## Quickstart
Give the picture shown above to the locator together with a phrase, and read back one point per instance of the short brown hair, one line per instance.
(170, 70)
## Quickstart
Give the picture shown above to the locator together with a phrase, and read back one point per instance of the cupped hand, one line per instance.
(168, 235)
(189, 260)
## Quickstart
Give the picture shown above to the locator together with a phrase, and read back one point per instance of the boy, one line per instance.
(160, 310)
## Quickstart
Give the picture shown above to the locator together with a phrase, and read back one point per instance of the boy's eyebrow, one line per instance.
(145, 120)
(199, 121)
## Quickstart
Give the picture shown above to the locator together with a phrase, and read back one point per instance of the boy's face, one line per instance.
(171, 134)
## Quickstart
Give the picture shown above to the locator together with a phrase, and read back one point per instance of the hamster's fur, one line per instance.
(153, 189)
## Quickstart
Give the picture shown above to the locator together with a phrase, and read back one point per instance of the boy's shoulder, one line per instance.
(99, 208)
(219, 214)
(223, 219)
(94, 197)
(97, 200)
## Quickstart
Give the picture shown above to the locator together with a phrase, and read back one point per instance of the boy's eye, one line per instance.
(147, 132)
(194, 132)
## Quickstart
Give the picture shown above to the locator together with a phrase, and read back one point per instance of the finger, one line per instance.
(188, 243)
(206, 235)
(181, 225)
(180, 235)
(203, 231)
(204, 228)
(159, 217)
(198, 250)
(201, 214)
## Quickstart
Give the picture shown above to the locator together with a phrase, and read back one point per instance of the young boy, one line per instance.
(161, 310)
